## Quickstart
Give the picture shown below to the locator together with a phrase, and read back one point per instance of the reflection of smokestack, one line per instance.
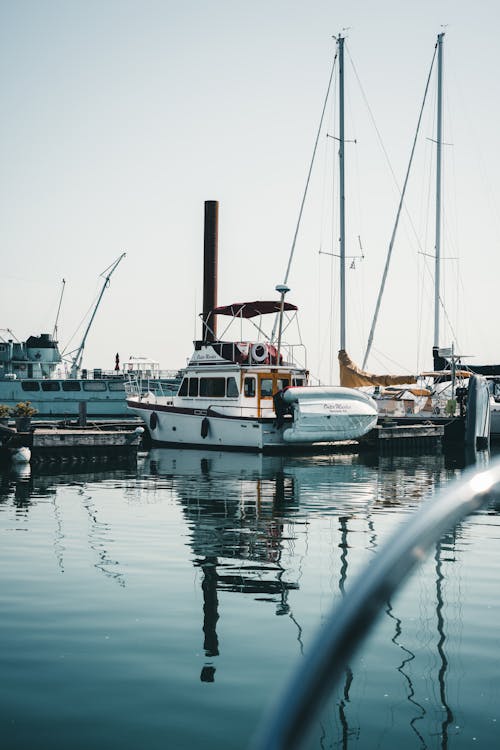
(210, 606)
(207, 673)
(210, 269)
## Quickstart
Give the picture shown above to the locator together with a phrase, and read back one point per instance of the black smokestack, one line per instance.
(210, 269)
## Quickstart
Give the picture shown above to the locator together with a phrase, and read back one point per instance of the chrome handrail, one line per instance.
(346, 626)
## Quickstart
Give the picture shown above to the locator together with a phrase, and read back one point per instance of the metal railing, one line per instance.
(138, 385)
(289, 724)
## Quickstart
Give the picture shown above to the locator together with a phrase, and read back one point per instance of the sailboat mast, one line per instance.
(340, 42)
(439, 140)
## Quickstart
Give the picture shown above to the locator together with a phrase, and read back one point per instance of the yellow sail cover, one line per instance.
(351, 376)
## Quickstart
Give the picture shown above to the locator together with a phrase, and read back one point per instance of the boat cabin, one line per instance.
(37, 357)
(241, 377)
(241, 390)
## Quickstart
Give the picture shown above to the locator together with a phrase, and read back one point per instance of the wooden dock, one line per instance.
(392, 439)
(55, 442)
(65, 443)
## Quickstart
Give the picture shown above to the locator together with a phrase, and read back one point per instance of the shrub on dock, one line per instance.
(24, 409)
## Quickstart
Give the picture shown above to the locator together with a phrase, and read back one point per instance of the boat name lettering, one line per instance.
(200, 356)
(336, 407)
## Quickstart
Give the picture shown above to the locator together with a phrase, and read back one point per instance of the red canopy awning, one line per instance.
(251, 309)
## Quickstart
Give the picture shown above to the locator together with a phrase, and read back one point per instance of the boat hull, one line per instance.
(495, 421)
(168, 425)
(345, 419)
(64, 397)
(478, 413)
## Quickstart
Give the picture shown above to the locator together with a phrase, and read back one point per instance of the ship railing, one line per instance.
(97, 374)
(242, 352)
(156, 375)
(236, 410)
(131, 386)
(289, 724)
(295, 354)
(138, 385)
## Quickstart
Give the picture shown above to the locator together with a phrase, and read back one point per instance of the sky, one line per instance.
(119, 118)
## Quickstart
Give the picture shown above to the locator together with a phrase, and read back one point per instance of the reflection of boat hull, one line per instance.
(196, 462)
(317, 417)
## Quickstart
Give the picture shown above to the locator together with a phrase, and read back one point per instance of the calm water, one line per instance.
(163, 605)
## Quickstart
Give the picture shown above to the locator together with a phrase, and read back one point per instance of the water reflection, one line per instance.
(26, 485)
(246, 509)
(235, 506)
(440, 626)
(286, 534)
(28, 481)
(347, 731)
(409, 656)
(243, 509)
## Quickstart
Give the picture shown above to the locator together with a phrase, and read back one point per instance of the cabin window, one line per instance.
(183, 390)
(70, 385)
(249, 387)
(193, 386)
(116, 385)
(30, 385)
(94, 385)
(283, 383)
(232, 388)
(215, 387)
(266, 388)
(298, 381)
(50, 385)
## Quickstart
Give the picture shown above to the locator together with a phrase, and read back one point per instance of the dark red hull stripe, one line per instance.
(195, 412)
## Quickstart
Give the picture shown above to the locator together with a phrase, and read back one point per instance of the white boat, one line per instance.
(34, 371)
(250, 393)
(236, 395)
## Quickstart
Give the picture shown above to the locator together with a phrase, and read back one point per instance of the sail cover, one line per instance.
(351, 376)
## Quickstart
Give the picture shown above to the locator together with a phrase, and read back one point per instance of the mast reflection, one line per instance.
(26, 484)
(410, 656)
(236, 517)
(347, 732)
(448, 717)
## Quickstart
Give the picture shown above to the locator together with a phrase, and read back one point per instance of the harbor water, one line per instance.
(164, 604)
